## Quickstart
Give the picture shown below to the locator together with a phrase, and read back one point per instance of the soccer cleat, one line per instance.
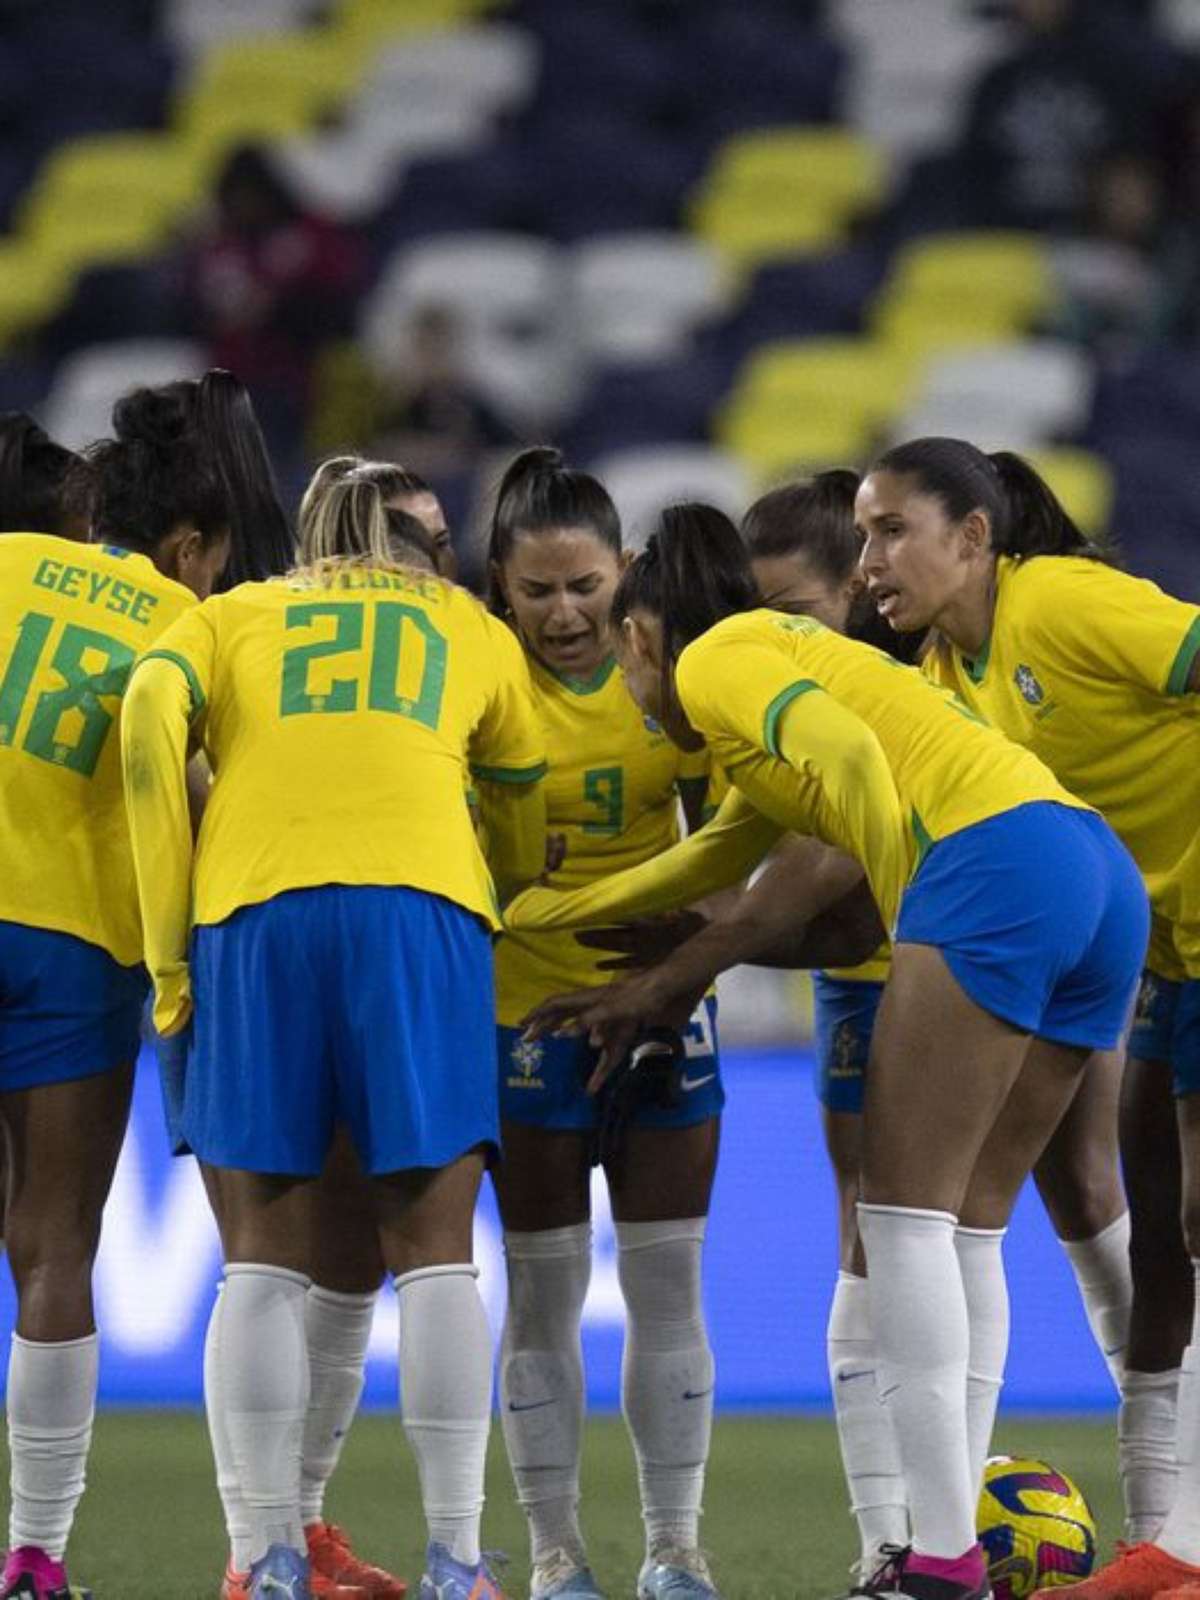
(563, 1575)
(331, 1557)
(674, 1573)
(897, 1577)
(445, 1578)
(30, 1574)
(282, 1574)
(236, 1586)
(1138, 1572)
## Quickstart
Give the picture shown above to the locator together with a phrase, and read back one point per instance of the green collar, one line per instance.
(976, 668)
(589, 685)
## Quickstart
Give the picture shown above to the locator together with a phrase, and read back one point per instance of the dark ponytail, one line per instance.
(1025, 515)
(153, 476)
(814, 517)
(694, 571)
(44, 487)
(539, 493)
(262, 542)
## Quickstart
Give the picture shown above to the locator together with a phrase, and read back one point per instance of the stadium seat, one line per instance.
(785, 191)
(1082, 481)
(153, 173)
(195, 26)
(31, 287)
(1016, 394)
(493, 68)
(508, 292)
(1001, 281)
(78, 408)
(643, 481)
(637, 296)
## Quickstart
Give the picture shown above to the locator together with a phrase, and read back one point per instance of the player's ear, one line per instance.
(177, 550)
(975, 531)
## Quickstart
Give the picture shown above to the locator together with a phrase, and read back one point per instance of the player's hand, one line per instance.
(611, 1017)
(644, 942)
(556, 854)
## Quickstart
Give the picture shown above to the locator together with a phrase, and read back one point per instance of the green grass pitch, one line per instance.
(775, 1521)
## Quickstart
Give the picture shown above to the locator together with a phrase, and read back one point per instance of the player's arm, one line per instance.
(508, 761)
(716, 857)
(155, 719)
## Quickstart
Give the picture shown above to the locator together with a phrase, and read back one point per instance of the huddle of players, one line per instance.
(339, 709)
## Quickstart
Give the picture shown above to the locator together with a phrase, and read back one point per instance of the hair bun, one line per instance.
(155, 417)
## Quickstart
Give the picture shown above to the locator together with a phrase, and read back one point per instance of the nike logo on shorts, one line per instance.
(687, 1084)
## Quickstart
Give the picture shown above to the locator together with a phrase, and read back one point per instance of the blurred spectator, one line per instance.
(1124, 276)
(267, 284)
(435, 419)
(1086, 79)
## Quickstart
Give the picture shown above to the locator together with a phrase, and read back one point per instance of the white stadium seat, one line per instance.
(638, 296)
(78, 408)
(644, 480)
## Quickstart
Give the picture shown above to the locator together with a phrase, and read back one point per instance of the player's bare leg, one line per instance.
(61, 1143)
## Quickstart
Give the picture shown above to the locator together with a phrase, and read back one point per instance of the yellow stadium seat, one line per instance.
(858, 376)
(268, 88)
(374, 22)
(996, 268)
(32, 287)
(785, 191)
(790, 437)
(834, 164)
(72, 240)
(747, 233)
(1082, 481)
(152, 171)
(918, 328)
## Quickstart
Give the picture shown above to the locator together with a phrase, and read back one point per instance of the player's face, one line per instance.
(559, 584)
(793, 583)
(427, 509)
(915, 560)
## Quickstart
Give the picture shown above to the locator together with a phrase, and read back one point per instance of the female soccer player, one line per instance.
(804, 552)
(402, 491)
(1097, 672)
(44, 487)
(345, 1264)
(341, 972)
(72, 619)
(1019, 922)
(614, 785)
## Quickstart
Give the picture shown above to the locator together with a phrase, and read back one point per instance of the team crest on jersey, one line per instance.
(1031, 689)
(527, 1056)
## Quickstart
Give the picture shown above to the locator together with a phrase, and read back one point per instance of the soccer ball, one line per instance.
(1036, 1528)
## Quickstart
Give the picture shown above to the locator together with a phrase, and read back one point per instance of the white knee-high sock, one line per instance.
(541, 1379)
(1102, 1271)
(263, 1358)
(338, 1330)
(51, 1404)
(237, 1520)
(869, 1456)
(1147, 1429)
(1180, 1533)
(667, 1373)
(446, 1394)
(919, 1314)
(981, 1262)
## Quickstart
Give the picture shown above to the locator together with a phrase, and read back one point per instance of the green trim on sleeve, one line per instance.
(1181, 667)
(189, 672)
(778, 706)
(510, 774)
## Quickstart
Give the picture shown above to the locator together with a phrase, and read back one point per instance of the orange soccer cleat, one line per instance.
(1139, 1572)
(331, 1556)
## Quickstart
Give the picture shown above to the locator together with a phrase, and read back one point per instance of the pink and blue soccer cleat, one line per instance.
(282, 1574)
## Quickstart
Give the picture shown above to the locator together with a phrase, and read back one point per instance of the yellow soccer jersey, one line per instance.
(73, 617)
(612, 789)
(339, 715)
(1088, 668)
(949, 769)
